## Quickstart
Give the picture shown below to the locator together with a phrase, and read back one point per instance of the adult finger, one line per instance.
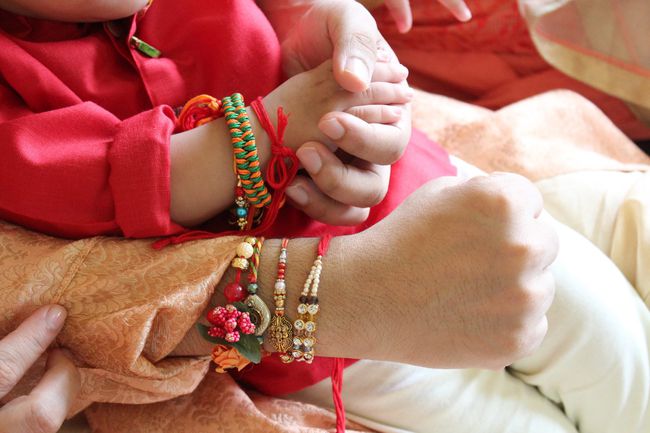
(305, 195)
(45, 408)
(373, 142)
(22, 347)
(458, 8)
(355, 38)
(362, 185)
(400, 10)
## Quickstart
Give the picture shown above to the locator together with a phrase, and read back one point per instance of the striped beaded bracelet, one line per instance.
(246, 160)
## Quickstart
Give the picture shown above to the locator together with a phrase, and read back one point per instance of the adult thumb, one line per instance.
(355, 38)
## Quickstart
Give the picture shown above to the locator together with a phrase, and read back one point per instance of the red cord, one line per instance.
(324, 244)
(339, 363)
(337, 387)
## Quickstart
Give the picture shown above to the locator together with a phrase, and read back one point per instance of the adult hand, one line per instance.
(341, 30)
(462, 268)
(401, 12)
(45, 408)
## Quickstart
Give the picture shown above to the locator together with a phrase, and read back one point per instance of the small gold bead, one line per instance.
(239, 263)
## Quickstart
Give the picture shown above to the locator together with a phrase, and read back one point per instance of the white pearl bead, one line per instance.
(280, 285)
(245, 250)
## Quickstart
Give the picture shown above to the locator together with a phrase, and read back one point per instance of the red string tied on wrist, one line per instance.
(283, 165)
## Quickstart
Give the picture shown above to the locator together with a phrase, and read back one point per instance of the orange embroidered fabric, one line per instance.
(128, 307)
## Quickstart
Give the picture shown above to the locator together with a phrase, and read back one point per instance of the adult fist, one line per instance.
(45, 408)
(469, 284)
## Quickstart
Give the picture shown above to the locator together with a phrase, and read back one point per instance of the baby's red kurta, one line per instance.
(86, 120)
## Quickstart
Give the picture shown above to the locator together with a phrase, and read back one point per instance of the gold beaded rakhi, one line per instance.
(280, 330)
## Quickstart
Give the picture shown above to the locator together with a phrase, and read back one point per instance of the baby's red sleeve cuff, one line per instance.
(139, 175)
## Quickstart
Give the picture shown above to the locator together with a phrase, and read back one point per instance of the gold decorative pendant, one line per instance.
(281, 333)
(261, 316)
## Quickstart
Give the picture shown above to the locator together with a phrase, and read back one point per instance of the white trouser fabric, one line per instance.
(591, 374)
(612, 209)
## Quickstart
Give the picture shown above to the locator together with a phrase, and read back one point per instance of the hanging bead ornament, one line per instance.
(260, 312)
(281, 331)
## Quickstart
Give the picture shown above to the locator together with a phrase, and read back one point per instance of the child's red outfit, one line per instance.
(86, 120)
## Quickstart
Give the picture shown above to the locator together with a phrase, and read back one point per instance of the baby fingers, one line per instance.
(390, 72)
(383, 93)
(377, 113)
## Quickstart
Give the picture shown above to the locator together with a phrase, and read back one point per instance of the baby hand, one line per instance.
(309, 96)
(368, 134)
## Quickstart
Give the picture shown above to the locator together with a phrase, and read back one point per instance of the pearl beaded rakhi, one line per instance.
(304, 326)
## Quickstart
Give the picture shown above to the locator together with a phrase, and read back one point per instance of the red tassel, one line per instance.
(337, 387)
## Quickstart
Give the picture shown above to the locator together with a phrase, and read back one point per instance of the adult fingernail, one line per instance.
(463, 13)
(358, 68)
(397, 112)
(55, 317)
(332, 128)
(310, 159)
(298, 195)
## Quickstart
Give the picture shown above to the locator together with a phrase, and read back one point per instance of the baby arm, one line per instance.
(202, 180)
(74, 10)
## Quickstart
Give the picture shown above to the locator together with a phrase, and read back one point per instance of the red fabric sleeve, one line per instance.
(80, 171)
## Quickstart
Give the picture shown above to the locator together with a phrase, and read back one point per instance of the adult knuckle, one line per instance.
(40, 418)
(9, 370)
(332, 182)
(377, 194)
(517, 343)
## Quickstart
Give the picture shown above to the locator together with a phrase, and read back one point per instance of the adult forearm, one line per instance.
(350, 321)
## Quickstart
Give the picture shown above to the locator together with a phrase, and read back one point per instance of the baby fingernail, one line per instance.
(397, 112)
(310, 159)
(298, 195)
(55, 316)
(358, 68)
(332, 128)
